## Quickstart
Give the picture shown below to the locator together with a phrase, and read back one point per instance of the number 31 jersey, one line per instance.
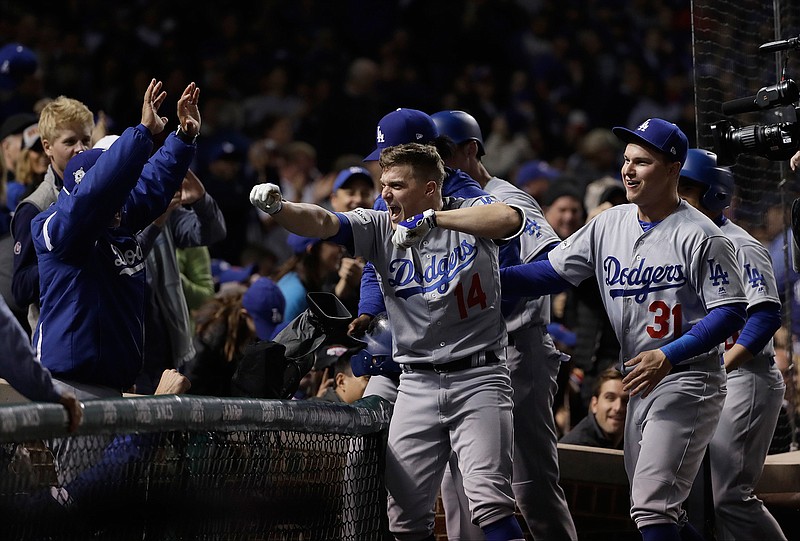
(656, 284)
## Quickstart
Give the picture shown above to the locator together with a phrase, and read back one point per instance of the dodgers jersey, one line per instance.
(442, 295)
(536, 236)
(657, 284)
(755, 268)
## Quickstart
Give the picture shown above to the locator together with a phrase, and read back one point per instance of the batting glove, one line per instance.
(411, 230)
(266, 197)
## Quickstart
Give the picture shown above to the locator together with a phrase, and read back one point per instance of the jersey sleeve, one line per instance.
(718, 281)
(572, 257)
(758, 278)
(369, 229)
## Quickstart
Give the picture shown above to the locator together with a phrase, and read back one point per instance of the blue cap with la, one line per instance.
(400, 127)
(657, 133)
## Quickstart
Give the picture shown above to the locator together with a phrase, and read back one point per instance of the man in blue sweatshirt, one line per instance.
(90, 333)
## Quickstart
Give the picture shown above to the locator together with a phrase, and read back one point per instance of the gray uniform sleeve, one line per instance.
(18, 364)
(718, 281)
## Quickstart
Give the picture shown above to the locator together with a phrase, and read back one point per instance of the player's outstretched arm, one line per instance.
(495, 221)
(300, 218)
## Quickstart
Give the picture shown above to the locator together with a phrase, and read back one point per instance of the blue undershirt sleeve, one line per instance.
(716, 327)
(345, 234)
(762, 322)
(532, 279)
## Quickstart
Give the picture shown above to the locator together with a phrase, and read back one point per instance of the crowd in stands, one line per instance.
(291, 94)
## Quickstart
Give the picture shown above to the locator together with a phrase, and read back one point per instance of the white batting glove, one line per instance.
(266, 197)
(411, 230)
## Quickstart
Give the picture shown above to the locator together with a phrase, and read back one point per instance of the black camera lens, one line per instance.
(774, 141)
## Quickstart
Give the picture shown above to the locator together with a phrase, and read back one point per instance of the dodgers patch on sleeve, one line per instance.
(362, 216)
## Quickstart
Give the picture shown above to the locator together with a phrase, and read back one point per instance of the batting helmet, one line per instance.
(376, 358)
(701, 166)
(460, 127)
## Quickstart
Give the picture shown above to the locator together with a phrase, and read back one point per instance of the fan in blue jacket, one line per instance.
(92, 270)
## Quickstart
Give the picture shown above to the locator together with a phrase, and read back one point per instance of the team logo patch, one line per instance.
(78, 176)
(361, 216)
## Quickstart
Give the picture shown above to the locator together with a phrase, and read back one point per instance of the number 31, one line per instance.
(661, 321)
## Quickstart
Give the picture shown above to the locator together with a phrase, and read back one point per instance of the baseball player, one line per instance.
(671, 287)
(395, 128)
(439, 272)
(755, 385)
(531, 356)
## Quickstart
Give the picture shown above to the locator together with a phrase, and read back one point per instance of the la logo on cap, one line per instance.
(644, 125)
(379, 138)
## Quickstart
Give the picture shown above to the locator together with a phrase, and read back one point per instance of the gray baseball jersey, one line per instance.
(747, 422)
(536, 236)
(443, 302)
(655, 285)
(534, 362)
(442, 297)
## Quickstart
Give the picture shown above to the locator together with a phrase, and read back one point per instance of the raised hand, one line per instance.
(153, 98)
(266, 197)
(188, 111)
(411, 230)
(192, 190)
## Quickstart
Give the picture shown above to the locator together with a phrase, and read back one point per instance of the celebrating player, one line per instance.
(532, 357)
(671, 287)
(755, 385)
(439, 272)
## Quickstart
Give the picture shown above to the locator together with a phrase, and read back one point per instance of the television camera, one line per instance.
(775, 142)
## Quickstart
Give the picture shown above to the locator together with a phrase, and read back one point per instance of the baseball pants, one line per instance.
(738, 450)
(533, 361)
(666, 435)
(467, 412)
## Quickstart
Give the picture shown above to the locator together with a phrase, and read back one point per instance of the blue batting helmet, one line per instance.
(376, 358)
(460, 127)
(701, 166)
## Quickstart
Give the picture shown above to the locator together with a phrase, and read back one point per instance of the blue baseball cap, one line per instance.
(657, 133)
(78, 166)
(346, 174)
(223, 272)
(264, 302)
(403, 126)
(16, 61)
(299, 244)
(534, 170)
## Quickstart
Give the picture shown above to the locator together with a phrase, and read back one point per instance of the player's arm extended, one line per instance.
(532, 279)
(495, 221)
(300, 218)
(763, 320)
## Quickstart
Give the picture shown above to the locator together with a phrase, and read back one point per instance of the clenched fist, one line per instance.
(266, 197)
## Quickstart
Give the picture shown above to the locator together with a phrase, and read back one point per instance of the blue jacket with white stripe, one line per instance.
(92, 275)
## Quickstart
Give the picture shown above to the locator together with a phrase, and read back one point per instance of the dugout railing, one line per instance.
(182, 467)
